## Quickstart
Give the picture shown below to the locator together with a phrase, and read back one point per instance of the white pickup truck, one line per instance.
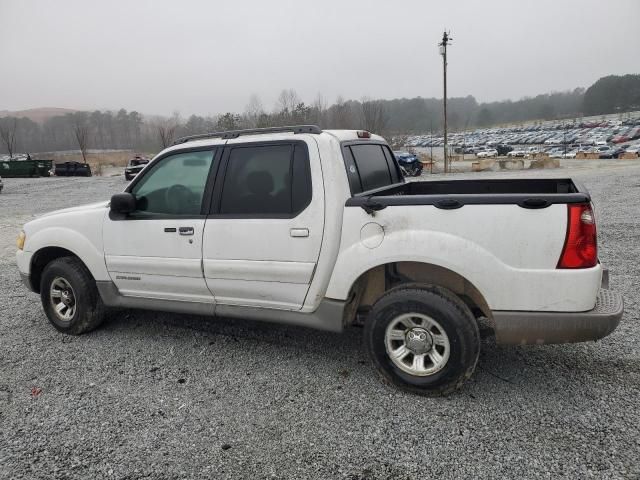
(318, 228)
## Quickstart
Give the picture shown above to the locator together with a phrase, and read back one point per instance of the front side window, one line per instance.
(175, 185)
(266, 180)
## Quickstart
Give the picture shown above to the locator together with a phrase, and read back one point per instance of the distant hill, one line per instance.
(38, 115)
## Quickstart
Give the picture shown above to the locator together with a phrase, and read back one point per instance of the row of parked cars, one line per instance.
(586, 133)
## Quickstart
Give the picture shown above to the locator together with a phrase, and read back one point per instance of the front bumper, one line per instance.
(26, 280)
(521, 328)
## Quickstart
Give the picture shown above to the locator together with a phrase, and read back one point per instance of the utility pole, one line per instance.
(446, 38)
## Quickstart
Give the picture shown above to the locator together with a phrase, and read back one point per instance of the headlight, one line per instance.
(20, 240)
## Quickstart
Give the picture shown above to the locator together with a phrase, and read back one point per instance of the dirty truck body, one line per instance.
(318, 228)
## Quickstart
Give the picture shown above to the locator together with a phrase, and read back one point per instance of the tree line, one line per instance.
(132, 130)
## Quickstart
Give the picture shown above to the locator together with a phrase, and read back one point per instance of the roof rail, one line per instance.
(251, 131)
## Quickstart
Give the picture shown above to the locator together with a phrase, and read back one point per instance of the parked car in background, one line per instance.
(409, 164)
(490, 152)
(611, 153)
(72, 169)
(134, 166)
(503, 149)
(633, 149)
(518, 152)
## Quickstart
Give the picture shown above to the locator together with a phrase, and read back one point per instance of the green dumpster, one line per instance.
(26, 168)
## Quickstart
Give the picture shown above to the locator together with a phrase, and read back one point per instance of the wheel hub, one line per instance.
(62, 299)
(417, 344)
(66, 297)
(418, 340)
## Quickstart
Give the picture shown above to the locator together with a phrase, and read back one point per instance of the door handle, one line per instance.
(299, 232)
(185, 230)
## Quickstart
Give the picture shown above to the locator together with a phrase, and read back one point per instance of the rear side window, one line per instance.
(267, 180)
(370, 166)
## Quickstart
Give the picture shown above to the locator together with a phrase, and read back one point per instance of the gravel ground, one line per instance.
(172, 396)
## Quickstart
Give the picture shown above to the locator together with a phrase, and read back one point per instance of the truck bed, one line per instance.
(450, 194)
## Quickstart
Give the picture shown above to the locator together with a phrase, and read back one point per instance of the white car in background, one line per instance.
(517, 153)
(491, 152)
(633, 149)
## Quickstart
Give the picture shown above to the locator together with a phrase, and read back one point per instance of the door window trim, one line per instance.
(216, 197)
(355, 186)
(216, 151)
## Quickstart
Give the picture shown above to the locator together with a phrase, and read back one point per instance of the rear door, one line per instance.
(262, 239)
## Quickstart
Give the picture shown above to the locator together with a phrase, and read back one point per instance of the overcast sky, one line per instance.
(208, 57)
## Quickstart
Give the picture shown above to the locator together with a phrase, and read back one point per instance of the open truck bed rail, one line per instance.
(452, 194)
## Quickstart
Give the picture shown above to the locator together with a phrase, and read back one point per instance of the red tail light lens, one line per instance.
(581, 245)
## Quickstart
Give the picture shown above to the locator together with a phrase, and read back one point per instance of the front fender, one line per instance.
(79, 233)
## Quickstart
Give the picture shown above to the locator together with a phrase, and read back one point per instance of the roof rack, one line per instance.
(251, 131)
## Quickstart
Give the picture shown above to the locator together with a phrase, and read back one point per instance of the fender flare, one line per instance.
(461, 256)
(76, 243)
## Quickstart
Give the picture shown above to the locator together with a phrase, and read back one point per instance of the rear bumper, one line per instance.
(520, 328)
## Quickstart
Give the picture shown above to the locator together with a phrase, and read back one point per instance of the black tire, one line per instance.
(417, 172)
(454, 317)
(89, 309)
(127, 177)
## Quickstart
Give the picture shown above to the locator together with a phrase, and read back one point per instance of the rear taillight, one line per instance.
(580, 245)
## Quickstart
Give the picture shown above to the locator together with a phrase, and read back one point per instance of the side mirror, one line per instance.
(123, 203)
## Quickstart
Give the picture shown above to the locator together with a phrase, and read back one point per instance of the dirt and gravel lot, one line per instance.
(167, 396)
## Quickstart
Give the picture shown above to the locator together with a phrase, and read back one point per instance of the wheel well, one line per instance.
(41, 259)
(372, 284)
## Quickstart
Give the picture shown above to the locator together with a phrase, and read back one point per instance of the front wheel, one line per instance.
(69, 296)
(422, 339)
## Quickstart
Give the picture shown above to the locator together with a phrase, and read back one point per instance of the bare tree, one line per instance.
(374, 117)
(287, 101)
(8, 128)
(253, 111)
(341, 116)
(166, 129)
(81, 133)
(320, 110)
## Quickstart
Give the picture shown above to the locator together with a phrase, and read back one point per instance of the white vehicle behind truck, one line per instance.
(318, 228)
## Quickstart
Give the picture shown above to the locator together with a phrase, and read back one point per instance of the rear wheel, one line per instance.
(69, 296)
(422, 339)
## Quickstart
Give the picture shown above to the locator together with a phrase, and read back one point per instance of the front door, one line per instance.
(156, 251)
(262, 239)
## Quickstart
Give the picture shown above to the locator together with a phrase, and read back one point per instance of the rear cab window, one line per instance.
(370, 166)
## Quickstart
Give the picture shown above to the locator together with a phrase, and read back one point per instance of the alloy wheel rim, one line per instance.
(63, 299)
(417, 344)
